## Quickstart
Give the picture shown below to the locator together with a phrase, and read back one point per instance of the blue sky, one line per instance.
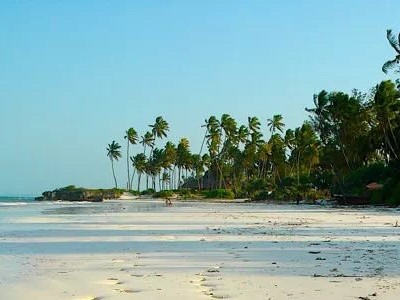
(75, 74)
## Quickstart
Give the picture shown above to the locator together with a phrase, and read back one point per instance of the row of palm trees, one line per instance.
(233, 152)
(344, 133)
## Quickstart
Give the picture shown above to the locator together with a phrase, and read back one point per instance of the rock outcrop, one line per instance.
(72, 193)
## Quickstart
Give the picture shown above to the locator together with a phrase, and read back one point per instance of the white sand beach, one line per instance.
(144, 250)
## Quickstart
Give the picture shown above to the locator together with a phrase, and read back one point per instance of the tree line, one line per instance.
(345, 132)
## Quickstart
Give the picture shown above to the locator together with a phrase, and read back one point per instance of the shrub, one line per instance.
(148, 192)
(69, 187)
(164, 194)
(186, 194)
(262, 195)
(377, 197)
(394, 199)
(118, 192)
(220, 194)
(134, 192)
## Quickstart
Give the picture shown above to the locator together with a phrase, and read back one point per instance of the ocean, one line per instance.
(16, 199)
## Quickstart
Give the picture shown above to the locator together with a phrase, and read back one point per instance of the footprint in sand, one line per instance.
(128, 291)
(110, 281)
(207, 281)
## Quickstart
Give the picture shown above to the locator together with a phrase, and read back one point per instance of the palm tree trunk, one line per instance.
(394, 138)
(139, 177)
(298, 166)
(115, 179)
(389, 143)
(179, 178)
(128, 185)
(202, 144)
(131, 183)
(342, 149)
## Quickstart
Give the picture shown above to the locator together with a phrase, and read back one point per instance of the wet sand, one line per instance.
(144, 250)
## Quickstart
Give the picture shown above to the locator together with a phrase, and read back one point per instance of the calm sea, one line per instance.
(7, 200)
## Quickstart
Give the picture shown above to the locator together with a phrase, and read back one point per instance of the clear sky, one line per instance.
(75, 74)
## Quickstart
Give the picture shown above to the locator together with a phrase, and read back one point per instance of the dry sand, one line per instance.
(202, 251)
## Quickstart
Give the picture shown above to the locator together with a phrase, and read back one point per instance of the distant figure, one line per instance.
(168, 202)
(298, 199)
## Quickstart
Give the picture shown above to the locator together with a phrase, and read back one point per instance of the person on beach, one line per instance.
(298, 199)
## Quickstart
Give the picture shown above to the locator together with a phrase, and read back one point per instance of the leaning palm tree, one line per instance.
(131, 137)
(147, 140)
(276, 123)
(395, 43)
(114, 153)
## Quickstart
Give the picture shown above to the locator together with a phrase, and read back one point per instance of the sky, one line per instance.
(76, 74)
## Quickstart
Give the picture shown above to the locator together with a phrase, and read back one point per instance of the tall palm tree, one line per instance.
(169, 161)
(395, 43)
(182, 158)
(131, 137)
(114, 153)
(147, 141)
(276, 123)
(320, 115)
(214, 139)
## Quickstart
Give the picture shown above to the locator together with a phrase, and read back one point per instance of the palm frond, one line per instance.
(390, 64)
(393, 41)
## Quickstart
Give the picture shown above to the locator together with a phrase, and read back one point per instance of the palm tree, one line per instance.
(147, 141)
(114, 153)
(319, 115)
(395, 43)
(276, 124)
(386, 105)
(165, 178)
(254, 124)
(169, 161)
(131, 137)
(242, 135)
(160, 128)
(182, 158)
(139, 163)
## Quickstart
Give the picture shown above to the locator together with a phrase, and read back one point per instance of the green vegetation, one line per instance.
(164, 194)
(220, 194)
(349, 141)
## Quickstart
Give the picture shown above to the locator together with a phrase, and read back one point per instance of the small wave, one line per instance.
(13, 203)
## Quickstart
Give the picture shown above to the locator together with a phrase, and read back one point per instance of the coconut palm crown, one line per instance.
(395, 43)
(160, 128)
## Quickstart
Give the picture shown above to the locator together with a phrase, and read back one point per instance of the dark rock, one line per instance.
(72, 193)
